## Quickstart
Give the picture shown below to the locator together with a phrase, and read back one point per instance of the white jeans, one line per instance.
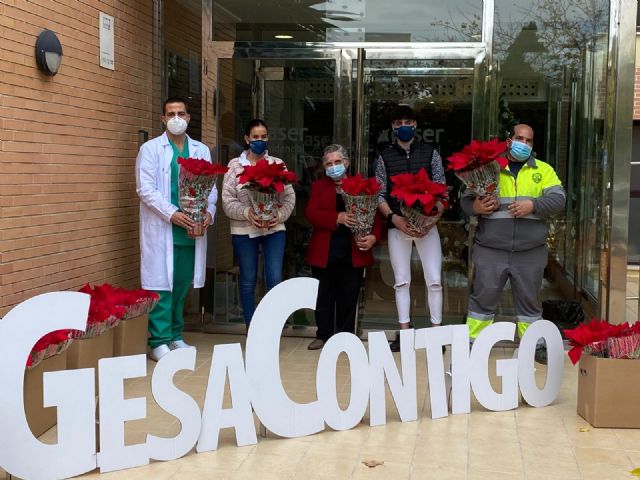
(430, 252)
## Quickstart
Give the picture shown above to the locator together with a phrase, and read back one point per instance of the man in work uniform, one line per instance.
(510, 241)
(171, 260)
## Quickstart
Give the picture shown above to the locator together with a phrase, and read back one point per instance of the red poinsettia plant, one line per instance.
(107, 307)
(135, 302)
(49, 345)
(477, 154)
(417, 191)
(196, 180)
(360, 197)
(197, 166)
(600, 338)
(104, 312)
(357, 185)
(266, 177)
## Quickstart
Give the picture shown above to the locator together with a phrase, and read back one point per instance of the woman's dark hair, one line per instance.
(256, 122)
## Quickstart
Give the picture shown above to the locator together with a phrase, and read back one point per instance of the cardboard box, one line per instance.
(85, 353)
(130, 336)
(608, 392)
(41, 419)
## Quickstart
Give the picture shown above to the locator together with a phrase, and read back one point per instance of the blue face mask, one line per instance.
(336, 171)
(520, 151)
(258, 146)
(405, 132)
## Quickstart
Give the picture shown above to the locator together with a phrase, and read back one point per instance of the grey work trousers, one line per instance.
(491, 270)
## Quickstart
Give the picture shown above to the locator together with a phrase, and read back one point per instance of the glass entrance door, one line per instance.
(311, 98)
(441, 93)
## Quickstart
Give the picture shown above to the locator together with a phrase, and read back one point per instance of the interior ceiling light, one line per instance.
(283, 37)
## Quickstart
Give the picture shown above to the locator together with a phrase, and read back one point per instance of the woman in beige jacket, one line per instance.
(248, 233)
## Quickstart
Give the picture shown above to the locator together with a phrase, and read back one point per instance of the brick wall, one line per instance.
(68, 207)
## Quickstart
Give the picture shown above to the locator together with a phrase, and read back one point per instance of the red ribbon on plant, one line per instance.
(358, 185)
(416, 190)
(477, 154)
(267, 177)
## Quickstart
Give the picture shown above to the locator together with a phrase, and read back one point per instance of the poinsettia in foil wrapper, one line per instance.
(135, 302)
(360, 197)
(624, 347)
(195, 182)
(49, 345)
(104, 312)
(265, 181)
(418, 196)
(600, 338)
(478, 166)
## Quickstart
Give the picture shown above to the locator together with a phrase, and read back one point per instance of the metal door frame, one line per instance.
(346, 90)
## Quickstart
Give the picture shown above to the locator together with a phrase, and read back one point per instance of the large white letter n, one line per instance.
(21, 454)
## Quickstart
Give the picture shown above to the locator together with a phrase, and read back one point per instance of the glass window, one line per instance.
(551, 58)
(183, 52)
(347, 21)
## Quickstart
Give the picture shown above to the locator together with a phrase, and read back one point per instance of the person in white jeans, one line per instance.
(407, 154)
(430, 253)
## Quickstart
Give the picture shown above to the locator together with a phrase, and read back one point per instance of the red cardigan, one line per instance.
(322, 214)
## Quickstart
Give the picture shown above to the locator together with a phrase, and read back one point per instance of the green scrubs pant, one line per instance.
(166, 320)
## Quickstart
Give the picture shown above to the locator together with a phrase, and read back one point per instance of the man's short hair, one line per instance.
(174, 100)
(403, 112)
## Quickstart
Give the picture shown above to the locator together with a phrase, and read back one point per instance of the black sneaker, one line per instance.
(395, 345)
(541, 355)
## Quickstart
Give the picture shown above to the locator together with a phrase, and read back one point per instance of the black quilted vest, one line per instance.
(396, 160)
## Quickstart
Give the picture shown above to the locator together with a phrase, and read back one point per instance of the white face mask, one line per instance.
(177, 125)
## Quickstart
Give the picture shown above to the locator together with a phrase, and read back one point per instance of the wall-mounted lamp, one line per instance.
(48, 52)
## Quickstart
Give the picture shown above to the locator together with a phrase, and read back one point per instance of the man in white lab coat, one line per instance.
(170, 259)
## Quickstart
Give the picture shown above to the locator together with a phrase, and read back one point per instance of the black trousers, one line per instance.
(337, 297)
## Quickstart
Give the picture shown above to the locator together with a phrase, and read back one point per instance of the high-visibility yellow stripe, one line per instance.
(476, 326)
(522, 327)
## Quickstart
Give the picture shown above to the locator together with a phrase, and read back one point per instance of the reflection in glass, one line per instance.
(183, 54)
(347, 21)
(551, 57)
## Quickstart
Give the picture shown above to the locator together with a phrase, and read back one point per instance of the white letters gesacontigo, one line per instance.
(175, 402)
(335, 417)
(382, 365)
(433, 339)
(21, 454)
(555, 363)
(115, 410)
(72, 392)
(227, 360)
(507, 369)
(272, 405)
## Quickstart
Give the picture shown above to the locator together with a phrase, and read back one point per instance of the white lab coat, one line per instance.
(153, 185)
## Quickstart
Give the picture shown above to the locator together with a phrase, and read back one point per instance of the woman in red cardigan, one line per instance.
(337, 260)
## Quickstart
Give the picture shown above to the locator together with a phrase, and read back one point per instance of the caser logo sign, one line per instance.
(254, 383)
